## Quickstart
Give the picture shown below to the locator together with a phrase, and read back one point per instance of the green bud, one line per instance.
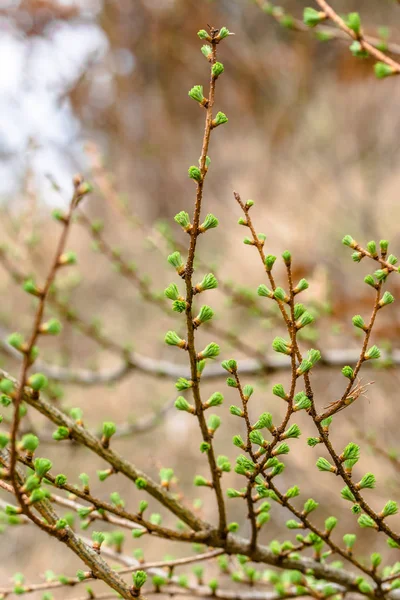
(389, 509)
(68, 258)
(383, 70)
(353, 22)
(139, 579)
(143, 505)
(301, 286)
(203, 35)
(281, 449)
(265, 421)
(61, 433)
(368, 482)
(29, 442)
(365, 521)
(236, 411)
(372, 353)
(324, 465)
(269, 261)
(358, 321)
(292, 432)
(16, 341)
(349, 540)
(223, 33)
(209, 282)
(204, 447)
(348, 372)
(182, 404)
(210, 351)
(262, 290)
(392, 259)
(207, 51)
(238, 441)
(262, 519)
(60, 480)
(195, 173)
(256, 438)
(313, 441)
(182, 218)
(173, 339)
(369, 280)
(248, 391)
(223, 464)
(210, 222)
(214, 421)
(381, 274)
(206, 314)
(292, 492)
(42, 466)
(292, 524)
(183, 384)
(109, 428)
(4, 440)
(371, 247)
(305, 319)
(309, 506)
(217, 69)
(6, 386)
(280, 345)
(299, 310)
(312, 17)
(231, 382)
(176, 261)
(387, 298)
(30, 287)
(349, 241)
(278, 390)
(179, 306)
(301, 402)
(220, 119)
(52, 327)
(330, 523)
(215, 400)
(231, 493)
(281, 295)
(196, 93)
(37, 381)
(229, 365)
(351, 452)
(347, 494)
(141, 483)
(201, 481)
(233, 527)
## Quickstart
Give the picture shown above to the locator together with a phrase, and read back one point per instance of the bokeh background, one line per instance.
(101, 88)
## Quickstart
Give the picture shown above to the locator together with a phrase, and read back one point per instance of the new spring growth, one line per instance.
(269, 262)
(278, 390)
(220, 119)
(348, 372)
(173, 339)
(206, 314)
(182, 404)
(37, 381)
(324, 465)
(229, 365)
(109, 429)
(223, 33)
(214, 421)
(166, 476)
(210, 222)
(349, 241)
(301, 286)
(68, 258)
(139, 579)
(206, 50)
(383, 70)
(262, 290)
(312, 17)
(176, 261)
(354, 23)
(29, 444)
(313, 357)
(280, 294)
(30, 287)
(217, 69)
(215, 400)
(387, 298)
(358, 321)
(42, 466)
(182, 218)
(372, 353)
(367, 482)
(305, 319)
(201, 481)
(196, 93)
(209, 282)
(51, 327)
(210, 351)
(183, 384)
(195, 173)
(282, 346)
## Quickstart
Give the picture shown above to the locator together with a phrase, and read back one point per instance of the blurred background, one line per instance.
(101, 88)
